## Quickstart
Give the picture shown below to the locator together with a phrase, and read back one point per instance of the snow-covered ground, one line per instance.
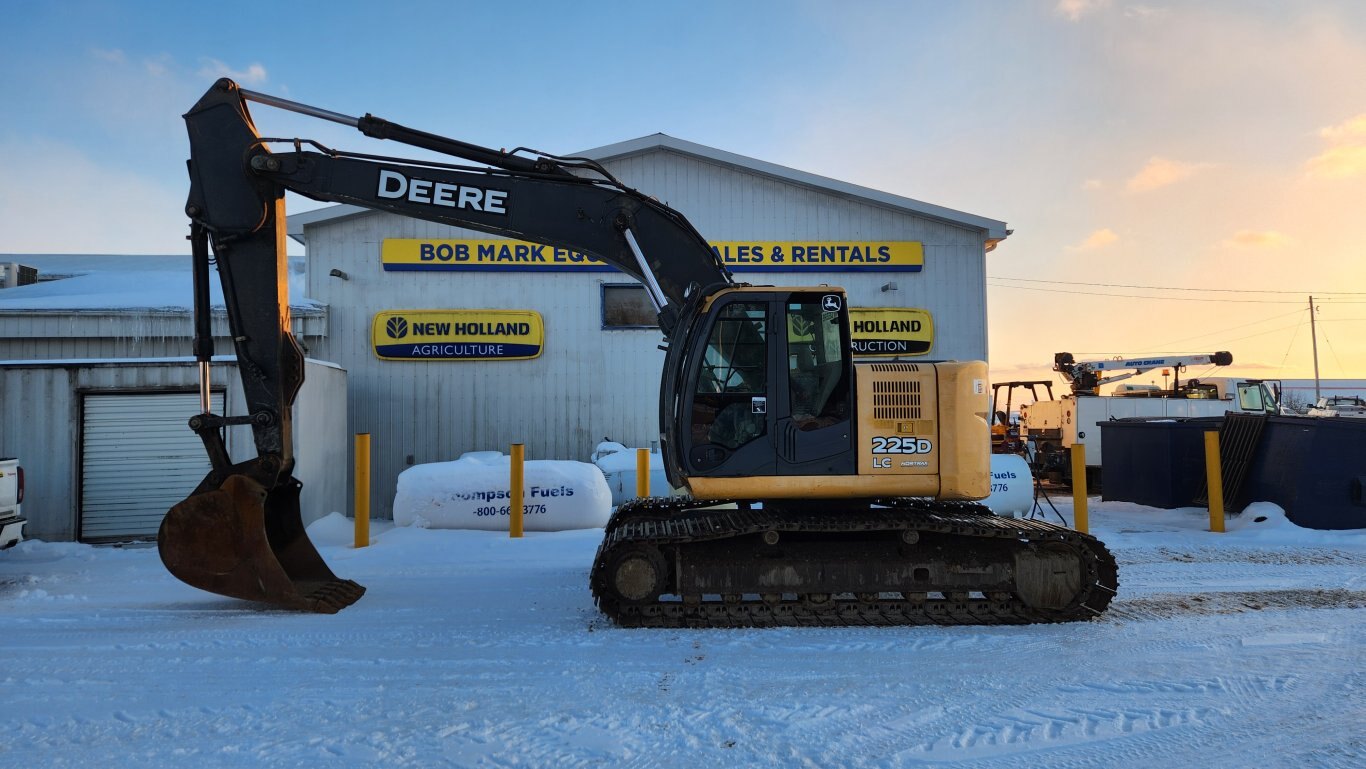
(470, 649)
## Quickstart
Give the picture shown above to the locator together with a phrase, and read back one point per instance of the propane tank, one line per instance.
(1012, 486)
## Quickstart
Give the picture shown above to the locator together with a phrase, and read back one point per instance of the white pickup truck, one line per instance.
(11, 495)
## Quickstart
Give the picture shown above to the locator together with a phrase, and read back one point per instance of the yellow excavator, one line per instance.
(823, 491)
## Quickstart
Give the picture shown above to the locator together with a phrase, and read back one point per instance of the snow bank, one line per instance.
(473, 492)
(332, 529)
(1267, 521)
(618, 465)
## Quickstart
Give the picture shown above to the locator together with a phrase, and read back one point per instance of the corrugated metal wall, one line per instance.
(590, 383)
(47, 439)
(49, 335)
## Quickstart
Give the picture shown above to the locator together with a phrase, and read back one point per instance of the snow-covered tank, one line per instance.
(473, 492)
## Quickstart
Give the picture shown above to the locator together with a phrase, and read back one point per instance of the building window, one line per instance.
(626, 305)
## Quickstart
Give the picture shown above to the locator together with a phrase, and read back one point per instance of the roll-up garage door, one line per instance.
(138, 458)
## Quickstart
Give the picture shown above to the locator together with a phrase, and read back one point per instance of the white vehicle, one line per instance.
(11, 495)
(1339, 406)
(1053, 427)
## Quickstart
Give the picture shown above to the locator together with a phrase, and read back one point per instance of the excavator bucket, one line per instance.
(242, 541)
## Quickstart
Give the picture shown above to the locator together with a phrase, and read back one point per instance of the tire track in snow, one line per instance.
(1268, 557)
(1168, 605)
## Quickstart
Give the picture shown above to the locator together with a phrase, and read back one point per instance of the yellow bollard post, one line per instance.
(515, 503)
(642, 472)
(362, 490)
(1081, 519)
(1214, 477)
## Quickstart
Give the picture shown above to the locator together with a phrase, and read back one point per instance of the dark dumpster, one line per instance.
(1155, 462)
(1314, 468)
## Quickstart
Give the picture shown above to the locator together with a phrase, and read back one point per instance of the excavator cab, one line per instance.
(774, 372)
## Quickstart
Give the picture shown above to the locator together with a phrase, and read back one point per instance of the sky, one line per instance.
(1179, 177)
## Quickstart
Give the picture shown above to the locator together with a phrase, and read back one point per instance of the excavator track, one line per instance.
(674, 563)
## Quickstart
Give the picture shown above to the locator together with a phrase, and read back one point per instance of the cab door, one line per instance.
(812, 403)
(728, 392)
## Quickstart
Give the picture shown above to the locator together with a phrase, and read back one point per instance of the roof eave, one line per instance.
(994, 231)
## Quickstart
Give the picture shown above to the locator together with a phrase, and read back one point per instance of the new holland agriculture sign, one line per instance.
(890, 331)
(457, 334)
(405, 254)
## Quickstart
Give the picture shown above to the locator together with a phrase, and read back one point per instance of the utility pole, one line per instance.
(1313, 335)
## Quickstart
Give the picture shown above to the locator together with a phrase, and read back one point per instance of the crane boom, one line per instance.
(1085, 377)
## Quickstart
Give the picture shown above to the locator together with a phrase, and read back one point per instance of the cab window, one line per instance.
(730, 404)
(1250, 397)
(818, 387)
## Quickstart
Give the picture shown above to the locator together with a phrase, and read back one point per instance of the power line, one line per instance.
(1179, 288)
(1225, 330)
(1155, 298)
(1290, 346)
(1262, 333)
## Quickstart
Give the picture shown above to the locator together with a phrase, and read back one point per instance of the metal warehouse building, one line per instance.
(377, 282)
(96, 387)
(598, 371)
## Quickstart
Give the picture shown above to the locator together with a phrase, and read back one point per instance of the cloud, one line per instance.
(254, 74)
(1092, 184)
(1257, 239)
(1160, 172)
(1345, 156)
(1352, 130)
(1145, 12)
(159, 67)
(112, 55)
(1073, 10)
(1339, 163)
(137, 214)
(1097, 240)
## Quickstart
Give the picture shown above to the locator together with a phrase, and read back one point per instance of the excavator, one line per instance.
(822, 491)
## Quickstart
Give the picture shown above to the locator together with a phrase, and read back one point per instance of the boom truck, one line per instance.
(822, 491)
(1053, 426)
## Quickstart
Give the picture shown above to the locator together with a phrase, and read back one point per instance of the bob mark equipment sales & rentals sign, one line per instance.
(457, 334)
(405, 254)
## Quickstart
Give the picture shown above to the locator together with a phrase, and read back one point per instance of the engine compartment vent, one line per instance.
(896, 400)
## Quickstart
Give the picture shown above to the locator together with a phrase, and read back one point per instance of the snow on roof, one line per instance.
(995, 230)
(119, 283)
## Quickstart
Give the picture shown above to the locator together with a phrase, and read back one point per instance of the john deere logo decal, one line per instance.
(457, 334)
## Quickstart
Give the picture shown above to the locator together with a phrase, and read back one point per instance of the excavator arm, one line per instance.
(240, 533)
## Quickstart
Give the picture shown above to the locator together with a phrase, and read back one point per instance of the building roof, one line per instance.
(994, 230)
(121, 284)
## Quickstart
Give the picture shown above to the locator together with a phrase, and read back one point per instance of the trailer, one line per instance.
(11, 496)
